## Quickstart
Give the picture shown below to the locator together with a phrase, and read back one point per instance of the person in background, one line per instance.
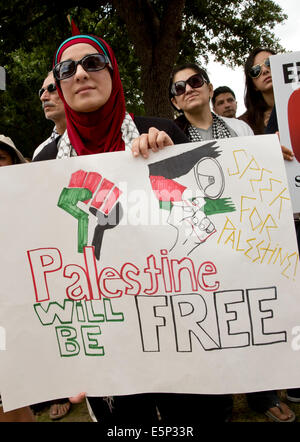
(224, 102)
(53, 110)
(190, 92)
(10, 155)
(259, 102)
(259, 95)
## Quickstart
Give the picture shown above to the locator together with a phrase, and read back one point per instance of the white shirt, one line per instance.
(52, 137)
(241, 128)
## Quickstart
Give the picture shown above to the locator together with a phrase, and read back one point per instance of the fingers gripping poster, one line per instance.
(174, 274)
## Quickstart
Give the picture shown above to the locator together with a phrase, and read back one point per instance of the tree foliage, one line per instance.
(148, 37)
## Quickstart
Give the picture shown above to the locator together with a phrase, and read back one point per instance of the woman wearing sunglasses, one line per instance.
(259, 95)
(89, 85)
(190, 92)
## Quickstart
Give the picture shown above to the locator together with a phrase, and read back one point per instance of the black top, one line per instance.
(143, 124)
(272, 126)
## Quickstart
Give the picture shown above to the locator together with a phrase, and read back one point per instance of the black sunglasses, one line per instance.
(50, 88)
(194, 81)
(256, 70)
(90, 63)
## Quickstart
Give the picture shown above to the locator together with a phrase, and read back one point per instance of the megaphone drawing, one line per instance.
(210, 177)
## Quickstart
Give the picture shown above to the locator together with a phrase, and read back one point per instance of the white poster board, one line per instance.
(193, 289)
(286, 83)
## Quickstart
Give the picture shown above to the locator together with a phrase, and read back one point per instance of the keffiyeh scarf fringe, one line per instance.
(129, 133)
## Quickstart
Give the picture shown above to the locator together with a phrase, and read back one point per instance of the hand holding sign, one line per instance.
(155, 140)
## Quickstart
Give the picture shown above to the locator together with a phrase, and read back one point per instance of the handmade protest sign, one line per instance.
(286, 84)
(174, 274)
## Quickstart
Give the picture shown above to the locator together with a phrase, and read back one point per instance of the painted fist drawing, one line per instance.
(101, 199)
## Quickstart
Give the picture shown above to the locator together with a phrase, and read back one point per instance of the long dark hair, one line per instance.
(254, 100)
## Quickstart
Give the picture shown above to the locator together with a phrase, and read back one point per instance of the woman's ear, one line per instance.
(211, 90)
(173, 99)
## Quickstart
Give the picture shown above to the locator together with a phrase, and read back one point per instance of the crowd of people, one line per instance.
(83, 96)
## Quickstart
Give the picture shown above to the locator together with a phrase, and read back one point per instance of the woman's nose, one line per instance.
(188, 88)
(265, 69)
(80, 72)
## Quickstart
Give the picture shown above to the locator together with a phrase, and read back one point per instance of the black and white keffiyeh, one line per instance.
(129, 133)
(219, 130)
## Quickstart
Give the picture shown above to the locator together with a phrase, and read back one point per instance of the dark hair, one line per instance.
(10, 152)
(254, 100)
(222, 90)
(192, 66)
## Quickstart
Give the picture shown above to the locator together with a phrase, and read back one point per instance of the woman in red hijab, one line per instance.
(89, 84)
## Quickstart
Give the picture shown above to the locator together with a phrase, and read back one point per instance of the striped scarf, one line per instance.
(219, 130)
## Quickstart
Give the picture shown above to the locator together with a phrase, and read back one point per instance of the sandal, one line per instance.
(59, 409)
(277, 419)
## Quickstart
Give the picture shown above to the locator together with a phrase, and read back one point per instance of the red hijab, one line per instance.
(100, 130)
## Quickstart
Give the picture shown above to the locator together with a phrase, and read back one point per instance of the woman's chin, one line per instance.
(87, 107)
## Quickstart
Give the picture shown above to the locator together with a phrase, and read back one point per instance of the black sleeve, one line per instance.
(49, 152)
(272, 126)
(175, 133)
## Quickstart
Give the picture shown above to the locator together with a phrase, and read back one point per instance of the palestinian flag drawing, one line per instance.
(100, 197)
(190, 208)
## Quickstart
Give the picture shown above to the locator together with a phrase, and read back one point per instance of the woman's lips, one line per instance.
(268, 79)
(190, 97)
(83, 89)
